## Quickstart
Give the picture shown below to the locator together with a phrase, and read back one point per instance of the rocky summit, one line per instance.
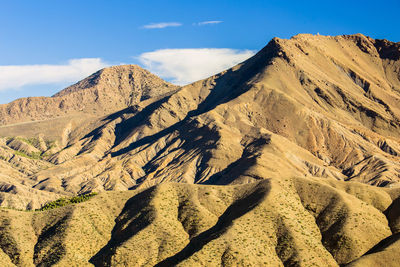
(291, 158)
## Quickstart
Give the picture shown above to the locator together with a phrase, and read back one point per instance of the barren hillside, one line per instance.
(274, 222)
(289, 158)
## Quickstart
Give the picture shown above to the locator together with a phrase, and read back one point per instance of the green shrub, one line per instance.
(34, 155)
(35, 143)
(61, 202)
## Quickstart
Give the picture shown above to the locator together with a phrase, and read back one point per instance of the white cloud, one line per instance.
(183, 66)
(161, 25)
(209, 22)
(16, 76)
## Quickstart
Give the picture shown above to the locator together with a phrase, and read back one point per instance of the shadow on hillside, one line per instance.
(125, 127)
(232, 84)
(133, 218)
(195, 141)
(240, 166)
(385, 243)
(234, 211)
(50, 246)
(228, 86)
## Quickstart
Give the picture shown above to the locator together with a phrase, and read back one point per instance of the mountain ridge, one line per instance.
(213, 125)
(291, 158)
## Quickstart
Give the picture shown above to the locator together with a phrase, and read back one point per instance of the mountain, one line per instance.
(103, 92)
(301, 139)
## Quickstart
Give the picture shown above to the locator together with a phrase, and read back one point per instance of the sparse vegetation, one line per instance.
(34, 142)
(61, 202)
(33, 155)
(230, 129)
(256, 227)
(31, 141)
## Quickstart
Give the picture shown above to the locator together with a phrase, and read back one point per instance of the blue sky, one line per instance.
(51, 44)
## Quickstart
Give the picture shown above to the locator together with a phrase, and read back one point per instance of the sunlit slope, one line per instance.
(309, 106)
(274, 222)
(312, 105)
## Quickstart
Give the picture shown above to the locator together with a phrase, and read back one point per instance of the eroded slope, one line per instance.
(274, 222)
(310, 106)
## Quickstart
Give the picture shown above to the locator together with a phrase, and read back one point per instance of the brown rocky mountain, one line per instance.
(294, 134)
(108, 90)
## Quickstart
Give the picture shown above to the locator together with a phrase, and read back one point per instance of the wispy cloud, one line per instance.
(208, 22)
(183, 66)
(161, 25)
(16, 76)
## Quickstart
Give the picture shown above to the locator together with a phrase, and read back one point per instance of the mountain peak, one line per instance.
(107, 90)
(123, 77)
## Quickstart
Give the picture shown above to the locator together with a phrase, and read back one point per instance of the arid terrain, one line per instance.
(291, 158)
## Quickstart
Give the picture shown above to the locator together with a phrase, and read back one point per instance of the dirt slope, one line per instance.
(309, 106)
(274, 222)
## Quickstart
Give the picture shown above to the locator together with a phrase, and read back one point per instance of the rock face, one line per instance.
(309, 121)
